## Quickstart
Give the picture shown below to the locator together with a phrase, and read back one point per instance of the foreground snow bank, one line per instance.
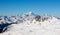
(34, 28)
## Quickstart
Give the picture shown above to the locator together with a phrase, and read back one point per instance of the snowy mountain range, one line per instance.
(29, 24)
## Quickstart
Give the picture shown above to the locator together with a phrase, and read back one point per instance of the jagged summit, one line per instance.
(29, 14)
(25, 16)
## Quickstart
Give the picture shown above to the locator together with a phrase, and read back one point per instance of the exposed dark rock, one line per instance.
(4, 26)
(44, 18)
(38, 18)
(41, 18)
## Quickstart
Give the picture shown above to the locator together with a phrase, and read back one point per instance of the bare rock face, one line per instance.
(38, 18)
(3, 27)
(41, 18)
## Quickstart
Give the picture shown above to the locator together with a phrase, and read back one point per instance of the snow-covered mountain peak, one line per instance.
(27, 16)
(29, 13)
(29, 24)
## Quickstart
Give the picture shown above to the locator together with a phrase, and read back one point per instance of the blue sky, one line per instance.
(14, 7)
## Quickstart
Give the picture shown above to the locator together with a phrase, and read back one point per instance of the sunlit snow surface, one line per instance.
(28, 27)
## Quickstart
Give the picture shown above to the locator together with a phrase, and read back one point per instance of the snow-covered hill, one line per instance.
(29, 24)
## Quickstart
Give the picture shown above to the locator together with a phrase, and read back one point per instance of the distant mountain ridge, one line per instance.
(5, 21)
(24, 16)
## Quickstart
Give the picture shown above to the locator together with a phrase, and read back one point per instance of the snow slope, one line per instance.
(46, 25)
